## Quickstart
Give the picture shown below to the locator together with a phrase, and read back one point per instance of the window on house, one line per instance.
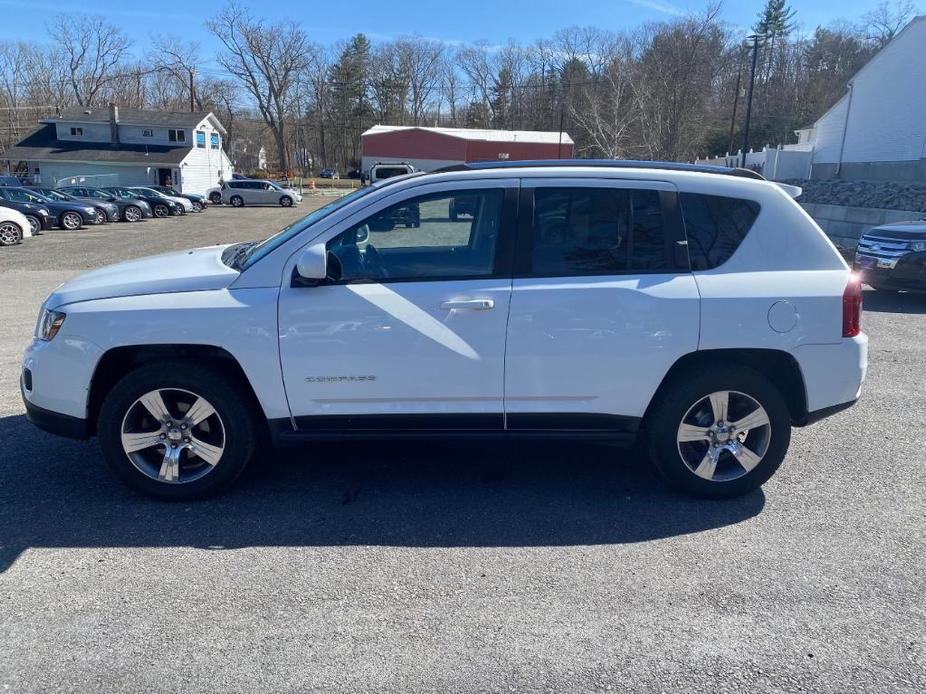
(214, 140)
(200, 138)
(77, 132)
(176, 135)
(147, 132)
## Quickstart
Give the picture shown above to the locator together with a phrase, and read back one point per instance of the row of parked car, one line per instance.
(28, 210)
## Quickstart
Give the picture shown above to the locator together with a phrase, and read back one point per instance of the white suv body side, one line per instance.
(504, 351)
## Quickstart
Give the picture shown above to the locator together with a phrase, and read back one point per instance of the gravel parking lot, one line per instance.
(473, 567)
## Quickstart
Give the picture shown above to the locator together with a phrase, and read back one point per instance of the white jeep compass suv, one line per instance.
(699, 309)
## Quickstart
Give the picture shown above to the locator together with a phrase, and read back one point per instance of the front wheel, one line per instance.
(197, 206)
(35, 224)
(237, 201)
(100, 217)
(177, 430)
(161, 210)
(10, 234)
(720, 432)
(215, 198)
(71, 221)
(132, 213)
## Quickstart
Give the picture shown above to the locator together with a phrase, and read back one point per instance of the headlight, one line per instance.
(918, 246)
(44, 213)
(50, 323)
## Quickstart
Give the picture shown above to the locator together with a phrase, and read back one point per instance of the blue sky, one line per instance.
(493, 20)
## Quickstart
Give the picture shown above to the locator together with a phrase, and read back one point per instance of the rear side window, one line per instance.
(715, 226)
(597, 231)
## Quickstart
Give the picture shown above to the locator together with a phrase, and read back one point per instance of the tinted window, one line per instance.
(420, 239)
(21, 196)
(648, 243)
(715, 227)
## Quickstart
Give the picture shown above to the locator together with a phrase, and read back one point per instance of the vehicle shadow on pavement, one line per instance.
(57, 493)
(893, 302)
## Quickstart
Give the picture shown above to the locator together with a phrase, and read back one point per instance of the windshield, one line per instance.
(98, 194)
(257, 251)
(55, 195)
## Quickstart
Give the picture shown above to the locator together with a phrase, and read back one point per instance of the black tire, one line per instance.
(286, 201)
(215, 198)
(222, 391)
(197, 206)
(160, 210)
(101, 217)
(236, 201)
(35, 224)
(683, 392)
(132, 213)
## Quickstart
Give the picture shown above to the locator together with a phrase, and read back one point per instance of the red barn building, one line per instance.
(428, 149)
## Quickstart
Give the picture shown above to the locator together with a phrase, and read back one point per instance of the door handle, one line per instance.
(470, 304)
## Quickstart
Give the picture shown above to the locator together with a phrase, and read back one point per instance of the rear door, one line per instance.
(603, 303)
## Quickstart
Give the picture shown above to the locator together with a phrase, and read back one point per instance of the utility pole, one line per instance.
(192, 90)
(752, 83)
(736, 100)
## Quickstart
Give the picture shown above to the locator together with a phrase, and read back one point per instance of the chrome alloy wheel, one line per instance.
(132, 213)
(100, 217)
(173, 436)
(10, 234)
(724, 436)
(71, 221)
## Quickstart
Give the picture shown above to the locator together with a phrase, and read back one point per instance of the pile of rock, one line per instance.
(885, 195)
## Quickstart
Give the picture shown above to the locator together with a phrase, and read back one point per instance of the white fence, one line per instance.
(775, 163)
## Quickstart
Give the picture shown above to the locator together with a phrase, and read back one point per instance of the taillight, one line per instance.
(852, 307)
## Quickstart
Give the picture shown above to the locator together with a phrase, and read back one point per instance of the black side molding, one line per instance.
(817, 415)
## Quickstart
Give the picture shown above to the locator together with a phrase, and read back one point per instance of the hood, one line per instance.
(58, 207)
(915, 230)
(183, 271)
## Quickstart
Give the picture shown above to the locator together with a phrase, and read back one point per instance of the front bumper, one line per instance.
(55, 422)
(906, 272)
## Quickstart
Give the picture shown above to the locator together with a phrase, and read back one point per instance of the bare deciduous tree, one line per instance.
(267, 59)
(93, 49)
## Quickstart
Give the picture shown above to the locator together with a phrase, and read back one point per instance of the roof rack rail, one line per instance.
(604, 163)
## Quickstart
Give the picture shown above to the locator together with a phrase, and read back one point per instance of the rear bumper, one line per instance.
(833, 374)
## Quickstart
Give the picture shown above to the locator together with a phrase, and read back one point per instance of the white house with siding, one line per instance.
(121, 146)
(877, 130)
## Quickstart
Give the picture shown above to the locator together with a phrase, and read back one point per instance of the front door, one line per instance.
(409, 332)
(603, 303)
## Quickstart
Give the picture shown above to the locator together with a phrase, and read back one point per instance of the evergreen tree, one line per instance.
(776, 20)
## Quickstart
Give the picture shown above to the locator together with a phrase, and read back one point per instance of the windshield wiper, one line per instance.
(235, 256)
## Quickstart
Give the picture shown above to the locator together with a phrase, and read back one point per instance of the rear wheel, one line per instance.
(71, 221)
(719, 432)
(160, 210)
(237, 201)
(100, 217)
(176, 430)
(215, 198)
(10, 234)
(132, 213)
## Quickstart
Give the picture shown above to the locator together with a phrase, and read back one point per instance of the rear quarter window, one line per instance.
(715, 226)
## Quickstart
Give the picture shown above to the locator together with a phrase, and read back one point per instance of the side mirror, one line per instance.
(312, 265)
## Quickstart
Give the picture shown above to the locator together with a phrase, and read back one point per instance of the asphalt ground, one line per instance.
(460, 567)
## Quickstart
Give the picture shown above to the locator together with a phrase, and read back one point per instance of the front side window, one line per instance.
(715, 227)
(439, 236)
(597, 231)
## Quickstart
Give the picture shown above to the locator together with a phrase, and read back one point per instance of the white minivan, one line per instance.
(698, 309)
